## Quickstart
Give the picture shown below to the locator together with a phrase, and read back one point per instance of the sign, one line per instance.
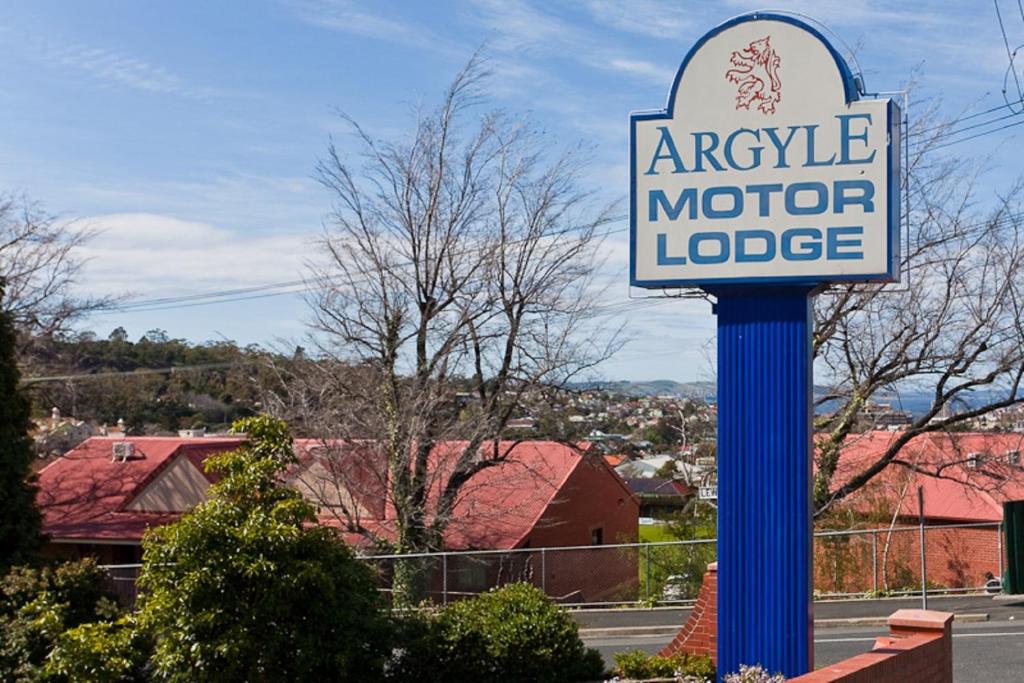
(707, 462)
(765, 167)
(707, 493)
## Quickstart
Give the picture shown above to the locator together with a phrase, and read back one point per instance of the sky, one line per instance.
(186, 133)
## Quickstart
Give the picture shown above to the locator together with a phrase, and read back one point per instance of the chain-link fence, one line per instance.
(884, 561)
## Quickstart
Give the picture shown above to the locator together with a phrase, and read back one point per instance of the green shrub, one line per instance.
(248, 587)
(640, 665)
(39, 604)
(513, 634)
(101, 652)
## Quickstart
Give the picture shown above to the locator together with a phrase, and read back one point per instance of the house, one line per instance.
(659, 497)
(964, 478)
(100, 498)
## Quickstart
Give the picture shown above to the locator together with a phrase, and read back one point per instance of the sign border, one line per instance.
(851, 93)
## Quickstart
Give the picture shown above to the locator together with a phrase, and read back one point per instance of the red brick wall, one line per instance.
(593, 497)
(919, 648)
(699, 635)
(956, 558)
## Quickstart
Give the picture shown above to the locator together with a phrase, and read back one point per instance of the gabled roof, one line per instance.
(497, 508)
(84, 495)
(953, 491)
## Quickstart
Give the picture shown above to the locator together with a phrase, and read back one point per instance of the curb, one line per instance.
(592, 633)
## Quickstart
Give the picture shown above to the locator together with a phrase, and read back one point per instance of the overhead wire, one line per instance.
(1010, 55)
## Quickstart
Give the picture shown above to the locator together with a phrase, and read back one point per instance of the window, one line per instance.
(1013, 457)
(973, 460)
(597, 536)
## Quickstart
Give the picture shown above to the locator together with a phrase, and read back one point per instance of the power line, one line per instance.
(977, 135)
(1009, 55)
(960, 119)
(289, 287)
(120, 373)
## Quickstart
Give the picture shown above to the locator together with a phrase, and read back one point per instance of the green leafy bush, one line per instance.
(513, 634)
(38, 604)
(638, 664)
(101, 652)
(248, 587)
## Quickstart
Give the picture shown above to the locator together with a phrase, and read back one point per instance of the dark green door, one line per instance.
(1013, 522)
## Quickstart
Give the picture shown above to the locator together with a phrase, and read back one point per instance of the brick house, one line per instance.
(965, 478)
(99, 499)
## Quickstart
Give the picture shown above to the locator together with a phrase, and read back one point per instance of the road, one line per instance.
(991, 651)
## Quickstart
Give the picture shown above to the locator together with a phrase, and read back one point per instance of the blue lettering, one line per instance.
(809, 249)
(727, 191)
(811, 159)
(663, 258)
(834, 243)
(672, 154)
(656, 198)
(744, 256)
(819, 207)
(845, 137)
(723, 247)
(865, 198)
(703, 153)
(755, 152)
(780, 147)
(763, 192)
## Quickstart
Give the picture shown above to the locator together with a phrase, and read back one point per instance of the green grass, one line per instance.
(655, 533)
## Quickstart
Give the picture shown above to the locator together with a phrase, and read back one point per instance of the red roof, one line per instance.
(952, 489)
(83, 495)
(496, 509)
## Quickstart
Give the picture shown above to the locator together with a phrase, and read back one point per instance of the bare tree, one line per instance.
(40, 265)
(457, 281)
(953, 327)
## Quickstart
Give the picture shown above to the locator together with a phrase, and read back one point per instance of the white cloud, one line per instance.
(159, 255)
(349, 17)
(668, 20)
(640, 67)
(107, 66)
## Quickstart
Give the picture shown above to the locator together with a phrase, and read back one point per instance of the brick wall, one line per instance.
(699, 635)
(956, 558)
(919, 648)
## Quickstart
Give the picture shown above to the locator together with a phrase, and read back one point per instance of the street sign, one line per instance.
(768, 174)
(706, 461)
(766, 166)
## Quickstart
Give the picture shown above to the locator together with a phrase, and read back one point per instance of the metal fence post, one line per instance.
(444, 578)
(924, 567)
(544, 570)
(999, 541)
(874, 561)
(647, 572)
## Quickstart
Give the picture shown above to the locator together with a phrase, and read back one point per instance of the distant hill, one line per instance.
(656, 387)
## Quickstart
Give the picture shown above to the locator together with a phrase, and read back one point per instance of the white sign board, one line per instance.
(765, 167)
(707, 493)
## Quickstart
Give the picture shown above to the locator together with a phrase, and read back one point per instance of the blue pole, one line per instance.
(764, 479)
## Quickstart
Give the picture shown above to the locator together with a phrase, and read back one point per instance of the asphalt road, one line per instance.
(990, 651)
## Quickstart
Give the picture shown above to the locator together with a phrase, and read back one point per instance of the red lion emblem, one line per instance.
(757, 75)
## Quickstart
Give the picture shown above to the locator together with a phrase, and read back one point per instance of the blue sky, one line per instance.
(187, 132)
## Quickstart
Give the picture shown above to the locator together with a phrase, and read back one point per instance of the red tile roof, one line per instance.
(497, 508)
(957, 493)
(83, 495)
